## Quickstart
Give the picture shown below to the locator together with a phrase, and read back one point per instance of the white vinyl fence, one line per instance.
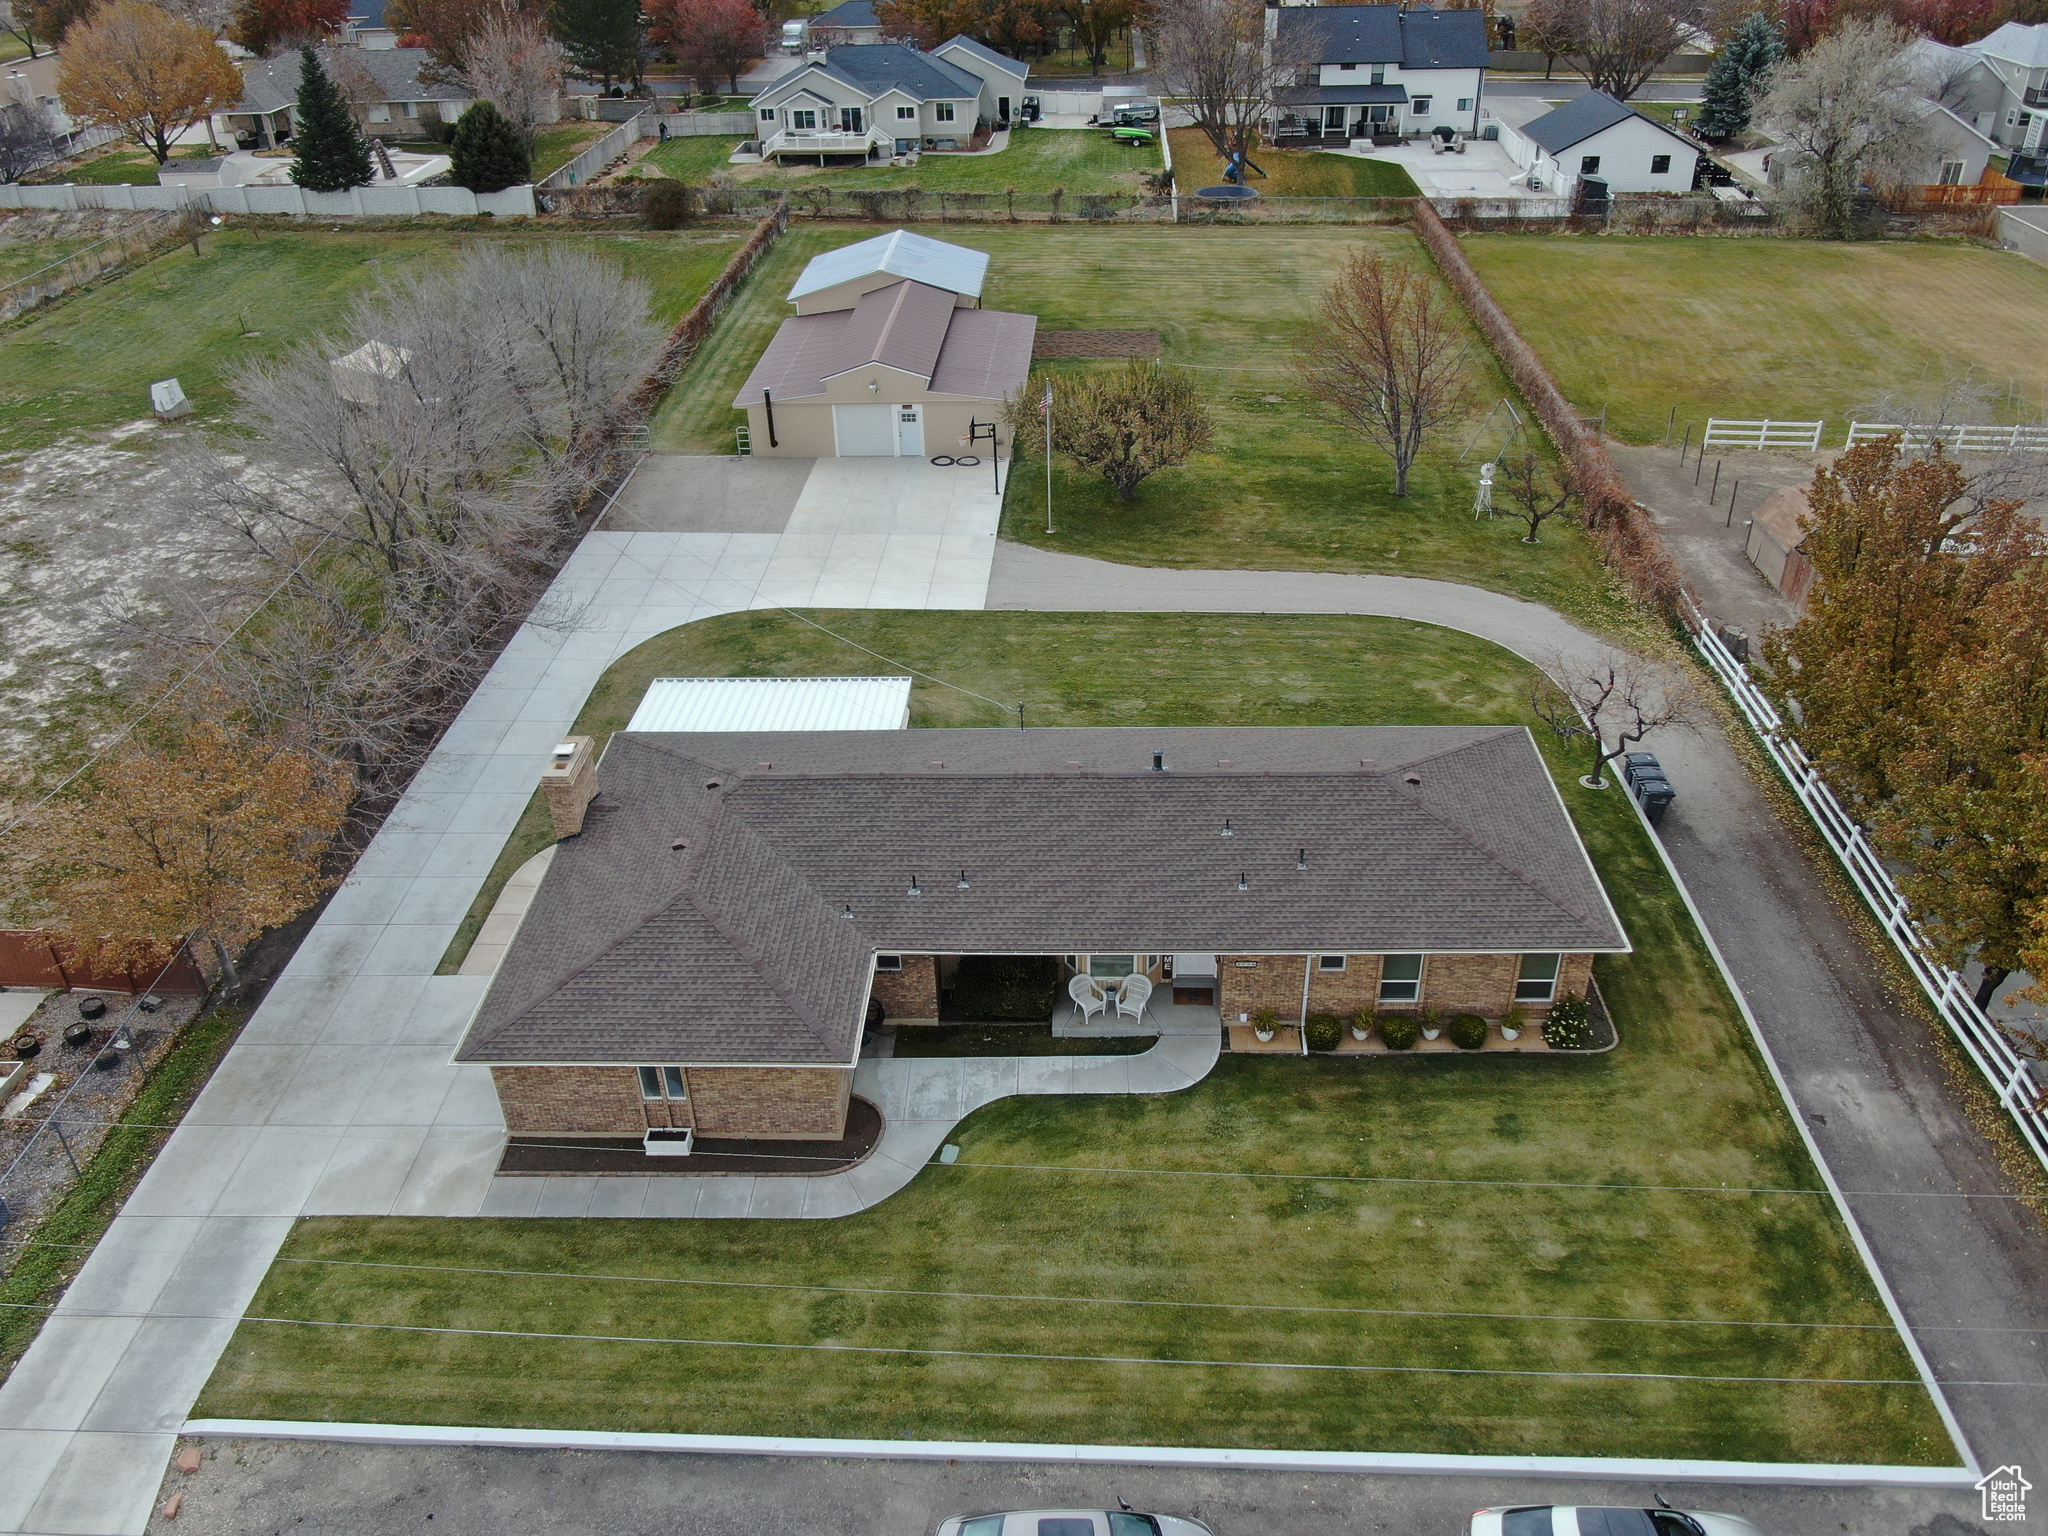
(2015, 1080)
(1763, 434)
(361, 203)
(594, 160)
(1960, 439)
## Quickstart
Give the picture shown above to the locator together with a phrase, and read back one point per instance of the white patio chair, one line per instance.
(1087, 996)
(1131, 1000)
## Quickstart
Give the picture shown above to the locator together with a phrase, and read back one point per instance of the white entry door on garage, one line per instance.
(865, 431)
(910, 431)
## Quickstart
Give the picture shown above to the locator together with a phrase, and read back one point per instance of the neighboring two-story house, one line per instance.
(1377, 70)
(2017, 56)
(877, 99)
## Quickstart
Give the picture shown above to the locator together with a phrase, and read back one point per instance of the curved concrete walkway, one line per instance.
(921, 1099)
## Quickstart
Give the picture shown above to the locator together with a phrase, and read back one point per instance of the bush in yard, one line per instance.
(1324, 1031)
(1124, 424)
(666, 205)
(490, 154)
(1400, 1031)
(1467, 1032)
(1021, 987)
(1570, 1025)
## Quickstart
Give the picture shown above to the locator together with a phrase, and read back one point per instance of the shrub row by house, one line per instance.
(1568, 1028)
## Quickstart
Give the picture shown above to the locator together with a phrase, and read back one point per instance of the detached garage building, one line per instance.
(1596, 136)
(889, 355)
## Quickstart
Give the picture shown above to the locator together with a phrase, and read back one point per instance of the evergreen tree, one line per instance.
(1737, 77)
(332, 154)
(490, 154)
(601, 37)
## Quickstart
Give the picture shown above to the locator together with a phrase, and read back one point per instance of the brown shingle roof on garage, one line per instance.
(983, 354)
(735, 948)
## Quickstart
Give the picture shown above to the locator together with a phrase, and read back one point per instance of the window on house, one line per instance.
(663, 1083)
(767, 114)
(1347, 66)
(1464, 103)
(1419, 106)
(905, 114)
(1951, 173)
(1660, 165)
(1112, 967)
(1400, 978)
(1538, 981)
(1379, 74)
(412, 109)
(381, 113)
(803, 118)
(672, 1080)
(943, 112)
(1589, 165)
(888, 962)
(1329, 962)
(650, 1082)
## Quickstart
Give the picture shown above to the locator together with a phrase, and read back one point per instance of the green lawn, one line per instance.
(88, 362)
(1796, 330)
(1039, 160)
(1286, 1255)
(1291, 172)
(18, 258)
(556, 145)
(1285, 488)
(118, 167)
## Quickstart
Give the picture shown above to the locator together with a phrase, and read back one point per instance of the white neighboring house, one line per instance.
(851, 104)
(1379, 69)
(2017, 56)
(1595, 135)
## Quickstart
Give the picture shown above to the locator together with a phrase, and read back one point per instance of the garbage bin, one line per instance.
(1640, 765)
(1656, 796)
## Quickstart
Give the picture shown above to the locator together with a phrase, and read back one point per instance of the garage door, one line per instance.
(865, 431)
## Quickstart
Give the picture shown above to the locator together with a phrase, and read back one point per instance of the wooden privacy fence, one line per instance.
(32, 958)
(1958, 439)
(2011, 1076)
(1723, 433)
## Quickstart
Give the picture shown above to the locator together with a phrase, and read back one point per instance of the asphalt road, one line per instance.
(248, 1487)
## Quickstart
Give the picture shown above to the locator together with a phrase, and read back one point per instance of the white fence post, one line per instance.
(1723, 432)
(2009, 1073)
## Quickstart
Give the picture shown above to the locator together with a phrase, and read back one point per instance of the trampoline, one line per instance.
(1228, 194)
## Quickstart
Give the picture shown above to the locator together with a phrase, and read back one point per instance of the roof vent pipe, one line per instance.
(1159, 762)
(915, 888)
(1242, 883)
(1301, 859)
(1228, 829)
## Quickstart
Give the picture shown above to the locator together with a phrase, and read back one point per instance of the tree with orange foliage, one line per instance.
(711, 38)
(136, 68)
(201, 832)
(266, 26)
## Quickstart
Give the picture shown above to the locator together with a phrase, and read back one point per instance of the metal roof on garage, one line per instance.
(773, 704)
(936, 263)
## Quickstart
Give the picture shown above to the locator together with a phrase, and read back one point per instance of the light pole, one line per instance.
(1045, 409)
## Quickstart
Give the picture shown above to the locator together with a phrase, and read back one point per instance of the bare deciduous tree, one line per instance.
(1215, 59)
(1536, 493)
(1125, 425)
(1615, 44)
(514, 64)
(1613, 703)
(27, 141)
(1390, 355)
(1848, 111)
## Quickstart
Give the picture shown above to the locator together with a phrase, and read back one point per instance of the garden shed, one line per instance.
(1777, 544)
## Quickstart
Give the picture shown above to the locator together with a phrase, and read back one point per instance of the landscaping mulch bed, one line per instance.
(616, 1155)
(1096, 344)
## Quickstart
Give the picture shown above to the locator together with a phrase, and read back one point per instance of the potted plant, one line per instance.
(1399, 1030)
(1516, 1020)
(1361, 1024)
(1432, 1024)
(1324, 1031)
(1468, 1032)
(1264, 1023)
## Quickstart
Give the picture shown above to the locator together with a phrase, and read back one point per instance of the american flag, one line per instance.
(1045, 405)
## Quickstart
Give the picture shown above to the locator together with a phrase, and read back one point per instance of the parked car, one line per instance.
(1072, 1522)
(1588, 1520)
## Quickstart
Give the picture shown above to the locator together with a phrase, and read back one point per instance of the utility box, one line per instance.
(570, 783)
(167, 399)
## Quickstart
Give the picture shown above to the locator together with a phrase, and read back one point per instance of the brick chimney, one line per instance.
(570, 783)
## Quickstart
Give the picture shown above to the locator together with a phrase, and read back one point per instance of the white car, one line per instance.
(1590, 1520)
(1071, 1522)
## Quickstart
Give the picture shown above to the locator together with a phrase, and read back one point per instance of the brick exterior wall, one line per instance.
(570, 1101)
(1453, 984)
(1345, 992)
(911, 993)
(774, 1103)
(1575, 976)
(1248, 983)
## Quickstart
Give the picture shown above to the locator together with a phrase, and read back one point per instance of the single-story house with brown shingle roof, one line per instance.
(704, 952)
(888, 355)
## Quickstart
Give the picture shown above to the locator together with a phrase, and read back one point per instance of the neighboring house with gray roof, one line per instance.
(2017, 54)
(397, 103)
(1595, 135)
(888, 355)
(878, 99)
(1378, 70)
(709, 945)
(849, 22)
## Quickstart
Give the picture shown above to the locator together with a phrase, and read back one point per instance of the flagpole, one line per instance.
(1046, 407)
